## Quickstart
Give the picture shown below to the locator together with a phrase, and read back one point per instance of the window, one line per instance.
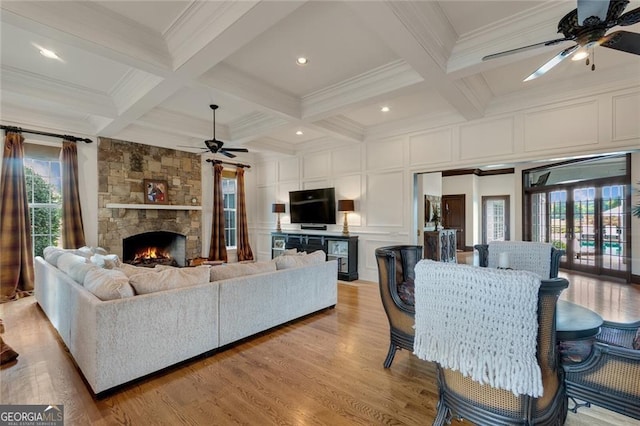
(44, 196)
(229, 198)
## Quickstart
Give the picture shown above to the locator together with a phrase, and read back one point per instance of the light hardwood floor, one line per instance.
(325, 369)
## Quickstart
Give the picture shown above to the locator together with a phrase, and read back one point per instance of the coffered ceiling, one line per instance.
(146, 71)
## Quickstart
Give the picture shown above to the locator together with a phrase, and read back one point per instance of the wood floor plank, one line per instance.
(325, 369)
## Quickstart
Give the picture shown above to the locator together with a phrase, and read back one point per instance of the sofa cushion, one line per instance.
(232, 270)
(153, 280)
(130, 270)
(67, 260)
(286, 262)
(78, 271)
(52, 254)
(107, 284)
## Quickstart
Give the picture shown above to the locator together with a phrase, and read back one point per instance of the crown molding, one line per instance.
(181, 124)
(535, 25)
(57, 92)
(476, 90)
(94, 28)
(201, 22)
(341, 126)
(271, 145)
(133, 85)
(430, 27)
(250, 125)
(15, 115)
(240, 85)
(384, 79)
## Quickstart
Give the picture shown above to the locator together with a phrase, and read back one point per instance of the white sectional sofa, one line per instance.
(116, 341)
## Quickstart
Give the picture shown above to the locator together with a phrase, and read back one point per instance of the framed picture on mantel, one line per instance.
(155, 191)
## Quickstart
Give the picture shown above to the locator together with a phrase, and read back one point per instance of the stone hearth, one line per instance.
(122, 166)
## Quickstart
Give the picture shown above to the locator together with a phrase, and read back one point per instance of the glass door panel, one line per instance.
(614, 228)
(558, 226)
(585, 227)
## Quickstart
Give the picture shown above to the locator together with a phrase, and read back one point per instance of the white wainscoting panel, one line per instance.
(367, 263)
(266, 173)
(283, 197)
(266, 196)
(385, 199)
(566, 126)
(346, 160)
(315, 165)
(315, 184)
(289, 169)
(487, 139)
(350, 188)
(431, 147)
(385, 154)
(626, 116)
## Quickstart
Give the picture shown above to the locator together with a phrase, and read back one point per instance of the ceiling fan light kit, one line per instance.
(587, 27)
(214, 145)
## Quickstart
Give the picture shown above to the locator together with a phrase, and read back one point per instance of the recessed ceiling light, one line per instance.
(385, 109)
(299, 133)
(49, 54)
(301, 60)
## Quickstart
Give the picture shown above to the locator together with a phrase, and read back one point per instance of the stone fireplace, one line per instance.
(122, 167)
(155, 248)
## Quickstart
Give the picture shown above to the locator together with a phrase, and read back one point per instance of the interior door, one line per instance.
(453, 216)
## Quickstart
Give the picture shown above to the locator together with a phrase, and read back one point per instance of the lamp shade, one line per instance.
(346, 206)
(277, 208)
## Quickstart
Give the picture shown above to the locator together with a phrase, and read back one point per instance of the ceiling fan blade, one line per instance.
(623, 41)
(236, 149)
(524, 48)
(228, 154)
(629, 18)
(552, 62)
(589, 8)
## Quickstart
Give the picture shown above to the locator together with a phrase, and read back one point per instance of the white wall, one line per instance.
(379, 173)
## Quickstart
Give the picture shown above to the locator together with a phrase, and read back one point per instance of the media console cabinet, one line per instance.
(342, 248)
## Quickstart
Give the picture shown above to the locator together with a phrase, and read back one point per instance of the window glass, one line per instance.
(229, 197)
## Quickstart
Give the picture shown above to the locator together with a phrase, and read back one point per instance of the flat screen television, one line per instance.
(313, 206)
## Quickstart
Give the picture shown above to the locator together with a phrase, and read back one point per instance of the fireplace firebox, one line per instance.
(155, 248)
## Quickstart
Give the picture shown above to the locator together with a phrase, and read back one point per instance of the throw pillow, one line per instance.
(52, 254)
(636, 341)
(286, 262)
(109, 261)
(108, 284)
(232, 270)
(67, 260)
(168, 279)
(78, 271)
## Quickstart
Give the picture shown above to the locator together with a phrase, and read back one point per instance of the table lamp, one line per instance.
(278, 208)
(345, 206)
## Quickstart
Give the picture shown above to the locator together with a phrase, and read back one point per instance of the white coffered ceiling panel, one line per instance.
(147, 70)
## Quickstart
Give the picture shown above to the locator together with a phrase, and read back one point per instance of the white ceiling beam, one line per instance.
(91, 27)
(181, 124)
(17, 115)
(420, 34)
(529, 27)
(241, 31)
(56, 92)
(341, 127)
(242, 86)
(358, 90)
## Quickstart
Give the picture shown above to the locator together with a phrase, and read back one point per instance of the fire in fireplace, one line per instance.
(155, 248)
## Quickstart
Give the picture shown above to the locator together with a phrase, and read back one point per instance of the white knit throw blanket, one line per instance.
(480, 321)
(523, 255)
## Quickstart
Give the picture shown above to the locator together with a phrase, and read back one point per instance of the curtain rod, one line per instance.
(37, 132)
(246, 166)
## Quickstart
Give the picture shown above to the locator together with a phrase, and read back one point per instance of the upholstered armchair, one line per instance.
(396, 277)
(610, 375)
(477, 400)
(521, 255)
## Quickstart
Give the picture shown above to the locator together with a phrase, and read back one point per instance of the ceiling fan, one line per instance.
(587, 26)
(215, 146)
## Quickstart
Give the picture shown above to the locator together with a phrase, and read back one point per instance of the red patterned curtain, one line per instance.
(16, 255)
(218, 248)
(243, 249)
(72, 228)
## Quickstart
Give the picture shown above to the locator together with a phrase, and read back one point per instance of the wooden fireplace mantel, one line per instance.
(151, 207)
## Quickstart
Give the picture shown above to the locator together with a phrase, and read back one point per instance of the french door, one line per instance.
(589, 222)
